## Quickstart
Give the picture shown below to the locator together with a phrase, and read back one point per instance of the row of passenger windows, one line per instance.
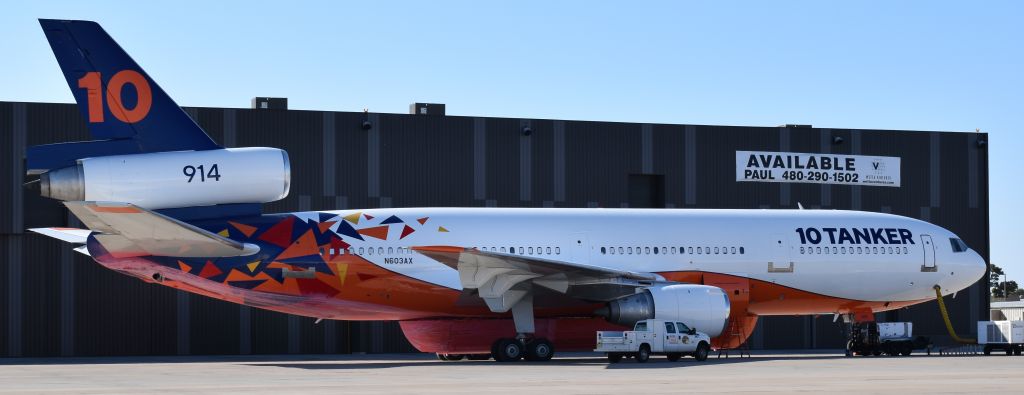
(367, 251)
(854, 250)
(672, 250)
(523, 250)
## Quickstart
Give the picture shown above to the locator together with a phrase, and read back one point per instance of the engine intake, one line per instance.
(702, 307)
(174, 179)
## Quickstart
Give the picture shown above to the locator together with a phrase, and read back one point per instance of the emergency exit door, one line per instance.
(929, 254)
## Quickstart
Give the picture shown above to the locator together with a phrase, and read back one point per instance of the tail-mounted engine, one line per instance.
(174, 179)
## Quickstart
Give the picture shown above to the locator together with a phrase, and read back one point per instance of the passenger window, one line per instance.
(689, 250)
(890, 250)
(612, 250)
(647, 250)
(860, 250)
(874, 250)
(817, 250)
(669, 328)
(390, 251)
(733, 251)
(699, 250)
(716, 250)
(673, 250)
(629, 250)
(529, 250)
(655, 250)
(620, 250)
(547, 250)
(802, 250)
(602, 250)
(522, 250)
(558, 250)
(905, 250)
(361, 252)
(741, 250)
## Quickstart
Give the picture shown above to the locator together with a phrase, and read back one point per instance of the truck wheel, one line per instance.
(849, 348)
(644, 354)
(508, 350)
(987, 350)
(702, 351)
(674, 356)
(614, 357)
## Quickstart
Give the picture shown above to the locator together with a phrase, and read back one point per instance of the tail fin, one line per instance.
(118, 100)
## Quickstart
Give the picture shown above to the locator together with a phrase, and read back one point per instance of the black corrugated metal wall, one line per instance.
(56, 302)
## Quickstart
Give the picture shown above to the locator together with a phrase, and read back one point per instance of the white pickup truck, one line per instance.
(670, 338)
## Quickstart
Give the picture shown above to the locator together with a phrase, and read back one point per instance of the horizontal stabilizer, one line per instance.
(70, 235)
(126, 230)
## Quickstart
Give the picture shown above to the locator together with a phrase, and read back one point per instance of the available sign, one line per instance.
(759, 166)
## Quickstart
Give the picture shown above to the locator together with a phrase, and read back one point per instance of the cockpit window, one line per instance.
(958, 245)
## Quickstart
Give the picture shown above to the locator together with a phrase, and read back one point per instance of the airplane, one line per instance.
(161, 201)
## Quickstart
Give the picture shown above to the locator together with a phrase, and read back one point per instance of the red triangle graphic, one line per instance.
(325, 225)
(280, 234)
(368, 216)
(407, 231)
(209, 270)
(365, 277)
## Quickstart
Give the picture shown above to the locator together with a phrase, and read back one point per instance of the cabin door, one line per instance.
(929, 254)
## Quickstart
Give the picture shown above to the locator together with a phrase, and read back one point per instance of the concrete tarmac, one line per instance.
(581, 373)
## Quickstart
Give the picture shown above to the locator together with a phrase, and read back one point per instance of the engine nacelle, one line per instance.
(174, 179)
(701, 307)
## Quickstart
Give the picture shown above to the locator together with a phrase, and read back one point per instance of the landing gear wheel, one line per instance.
(702, 351)
(614, 357)
(539, 350)
(644, 354)
(674, 356)
(443, 357)
(508, 350)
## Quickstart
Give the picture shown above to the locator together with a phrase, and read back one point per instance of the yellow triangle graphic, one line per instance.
(441, 229)
(342, 269)
(353, 218)
(252, 266)
(223, 233)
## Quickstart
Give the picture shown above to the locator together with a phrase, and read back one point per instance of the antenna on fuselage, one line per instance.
(799, 206)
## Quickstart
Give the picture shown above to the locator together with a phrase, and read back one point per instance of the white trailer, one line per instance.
(670, 338)
(1001, 335)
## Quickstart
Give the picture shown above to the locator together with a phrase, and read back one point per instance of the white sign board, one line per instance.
(759, 166)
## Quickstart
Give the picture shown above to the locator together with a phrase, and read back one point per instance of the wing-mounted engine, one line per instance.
(174, 179)
(702, 307)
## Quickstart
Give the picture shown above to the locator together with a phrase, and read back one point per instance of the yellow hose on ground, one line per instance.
(945, 317)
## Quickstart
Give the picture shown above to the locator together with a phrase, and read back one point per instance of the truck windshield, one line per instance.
(641, 326)
(682, 327)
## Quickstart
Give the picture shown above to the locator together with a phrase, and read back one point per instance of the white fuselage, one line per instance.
(893, 258)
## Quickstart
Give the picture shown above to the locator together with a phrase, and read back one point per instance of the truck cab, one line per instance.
(663, 337)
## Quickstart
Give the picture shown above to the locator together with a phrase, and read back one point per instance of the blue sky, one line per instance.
(920, 65)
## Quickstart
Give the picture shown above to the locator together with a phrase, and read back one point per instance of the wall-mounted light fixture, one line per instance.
(837, 140)
(527, 131)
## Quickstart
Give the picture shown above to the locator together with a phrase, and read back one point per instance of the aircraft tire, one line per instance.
(508, 350)
(539, 350)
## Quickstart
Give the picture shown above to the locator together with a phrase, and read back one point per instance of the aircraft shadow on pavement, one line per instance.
(654, 363)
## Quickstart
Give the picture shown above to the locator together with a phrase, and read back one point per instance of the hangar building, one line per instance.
(54, 302)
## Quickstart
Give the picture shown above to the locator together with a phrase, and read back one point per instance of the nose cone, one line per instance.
(969, 268)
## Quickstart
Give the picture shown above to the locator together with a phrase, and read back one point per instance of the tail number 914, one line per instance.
(198, 171)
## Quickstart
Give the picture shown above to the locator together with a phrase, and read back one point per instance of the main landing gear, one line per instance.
(509, 350)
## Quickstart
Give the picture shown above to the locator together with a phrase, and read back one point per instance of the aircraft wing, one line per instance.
(126, 230)
(495, 275)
